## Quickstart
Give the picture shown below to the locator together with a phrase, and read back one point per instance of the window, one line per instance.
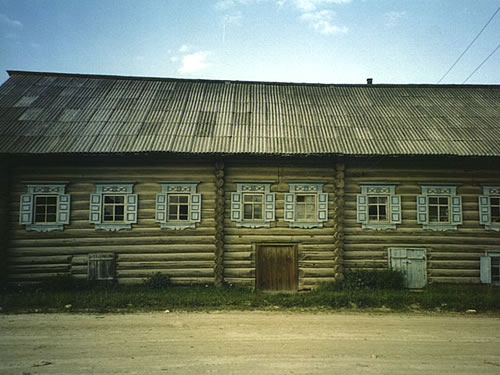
(306, 206)
(490, 268)
(439, 208)
(489, 208)
(378, 207)
(252, 205)
(113, 207)
(178, 206)
(45, 208)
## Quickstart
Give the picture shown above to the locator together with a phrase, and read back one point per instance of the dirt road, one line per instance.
(249, 343)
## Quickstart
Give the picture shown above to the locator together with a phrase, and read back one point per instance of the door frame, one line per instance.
(294, 245)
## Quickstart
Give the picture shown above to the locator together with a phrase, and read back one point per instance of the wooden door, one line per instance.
(412, 262)
(276, 267)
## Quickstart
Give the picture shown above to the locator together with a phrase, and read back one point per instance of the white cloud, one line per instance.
(174, 59)
(185, 48)
(321, 21)
(392, 18)
(311, 5)
(9, 22)
(194, 62)
(228, 4)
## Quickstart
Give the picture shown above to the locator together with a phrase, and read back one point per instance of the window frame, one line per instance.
(485, 207)
(393, 206)
(245, 188)
(455, 212)
(36, 213)
(305, 204)
(178, 205)
(439, 207)
(178, 188)
(253, 204)
(97, 205)
(290, 204)
(113, 205)
(28, 207)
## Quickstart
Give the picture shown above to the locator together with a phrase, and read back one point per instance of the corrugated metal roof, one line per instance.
(43, 113)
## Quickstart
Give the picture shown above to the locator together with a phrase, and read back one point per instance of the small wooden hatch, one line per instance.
(276, 267)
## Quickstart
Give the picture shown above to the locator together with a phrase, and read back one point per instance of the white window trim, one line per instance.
(113, 188)
(394, 212)
(321, 204)
(455, 204)
(268, 203)
(27, 206)
(484, 207)
(178, 187)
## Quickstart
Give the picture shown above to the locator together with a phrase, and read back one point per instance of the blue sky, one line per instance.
(327, 41)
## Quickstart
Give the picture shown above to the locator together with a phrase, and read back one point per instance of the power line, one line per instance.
(471, 43)
(480, 65)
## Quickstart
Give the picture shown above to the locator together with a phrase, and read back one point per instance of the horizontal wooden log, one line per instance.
(174, 280)
(39, 268)
(315, 272)
(155, 257)
(454, 264)
(57, 259)
(132, 249)
(453, 272)
(187, 272)
(239, 272)
(454, 280)
(285, 239)
(170, 265)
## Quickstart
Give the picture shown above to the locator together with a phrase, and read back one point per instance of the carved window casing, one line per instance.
(489, 208)
(378, 207)
(178, 206)
(439, 208)
(45, 207)
(253, 205)
(306, 206)
(113, 206)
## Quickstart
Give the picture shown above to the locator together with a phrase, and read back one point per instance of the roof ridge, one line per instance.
(171, 79)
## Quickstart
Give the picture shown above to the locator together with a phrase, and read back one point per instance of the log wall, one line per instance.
(316, 246)
(4, 219)
(453, 256)
(187, 256)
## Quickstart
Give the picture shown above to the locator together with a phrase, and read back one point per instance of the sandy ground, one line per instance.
(249, 343)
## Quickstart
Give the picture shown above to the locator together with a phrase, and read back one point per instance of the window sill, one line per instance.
(45, 227)
(113, 227)
(440, 228)
(178, 226)
(305, 225)
(254, 224)
(379, 226)
(495, 227)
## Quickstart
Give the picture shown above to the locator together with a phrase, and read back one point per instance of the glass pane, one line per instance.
(300, 198)
(382, 212)
(41, 200)
(173, 198)
(52, 200)
(382, 200)
(310, 215)
(183, 217)
(247, 211)
(119, 210)
(372, 199)
(119, 199)
(183, 199)
(40, 218)
(108, 211)
(109, 199)
(433, 214)
(172, 210)
(51, 218)
(310, 199)
(40, 210)
(495, 214)
(247, 198)
(495, 201)
(433, 200)
(107, 218)
(183, 209)
(372, 210)
(118, 217)
(443, 201)
(51, 209)
(300, 212)
(443, 214)
(257, 211)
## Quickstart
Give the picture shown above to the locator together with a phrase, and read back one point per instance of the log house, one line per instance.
(277, 186)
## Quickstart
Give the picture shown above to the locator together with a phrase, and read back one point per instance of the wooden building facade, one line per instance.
(271, 185)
